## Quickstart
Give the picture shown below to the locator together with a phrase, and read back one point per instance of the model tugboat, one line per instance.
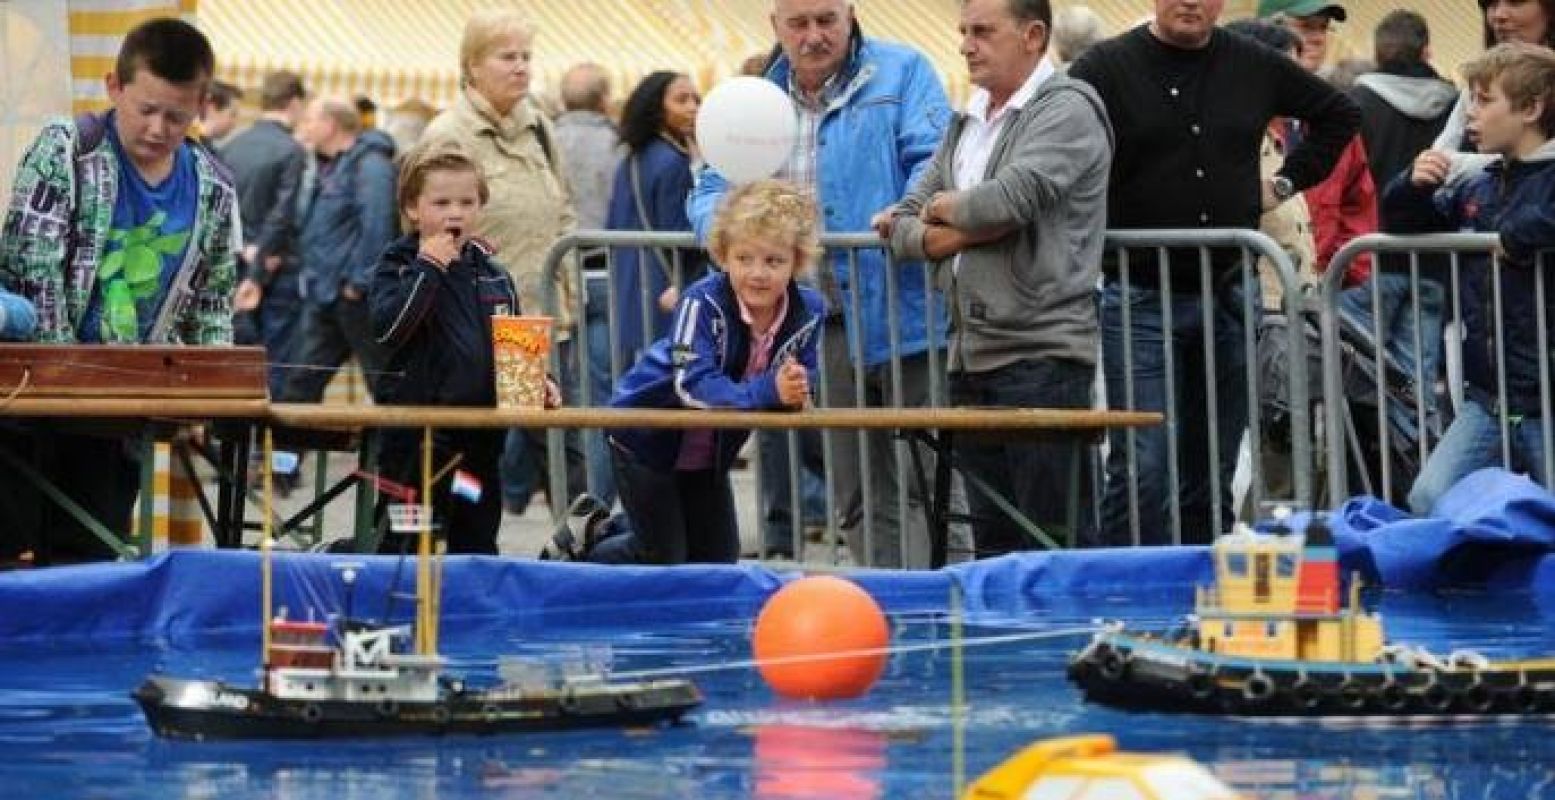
(1276, 635)
(351, 679)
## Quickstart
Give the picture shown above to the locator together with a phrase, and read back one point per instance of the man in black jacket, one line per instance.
(1404, 104)
(1189, 104)
(267, 164)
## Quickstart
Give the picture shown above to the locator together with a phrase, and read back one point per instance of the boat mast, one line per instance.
(265, 588)
(426, 616)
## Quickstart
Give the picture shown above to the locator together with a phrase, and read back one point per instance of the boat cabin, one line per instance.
(1279, 596)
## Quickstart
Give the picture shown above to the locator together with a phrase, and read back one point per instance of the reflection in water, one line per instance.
(806, 761)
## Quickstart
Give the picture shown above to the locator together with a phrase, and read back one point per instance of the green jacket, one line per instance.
(56, 231)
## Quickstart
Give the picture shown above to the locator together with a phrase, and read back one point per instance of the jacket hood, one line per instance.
(378, 140)
(1419, 98)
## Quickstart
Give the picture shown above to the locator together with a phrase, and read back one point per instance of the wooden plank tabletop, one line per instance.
(954, 419)
(303, 415)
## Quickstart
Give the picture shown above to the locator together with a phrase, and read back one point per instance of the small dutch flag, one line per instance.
(465, 486)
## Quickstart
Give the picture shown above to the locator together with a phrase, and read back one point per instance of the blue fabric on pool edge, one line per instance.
(1491, 529)
(201, 592)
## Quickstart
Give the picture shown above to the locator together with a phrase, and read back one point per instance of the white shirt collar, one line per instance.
(977, 104)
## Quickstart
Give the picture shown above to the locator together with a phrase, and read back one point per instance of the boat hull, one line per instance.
(187, 709)
(1145, 674)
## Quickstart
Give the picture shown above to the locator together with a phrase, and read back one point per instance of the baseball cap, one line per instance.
(1301, 8)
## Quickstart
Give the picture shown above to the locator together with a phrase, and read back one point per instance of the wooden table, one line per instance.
(935, 427)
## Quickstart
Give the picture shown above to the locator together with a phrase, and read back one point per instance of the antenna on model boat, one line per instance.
(348, 571)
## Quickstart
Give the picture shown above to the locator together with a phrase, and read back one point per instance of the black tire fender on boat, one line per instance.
(311, 713)
(490, 712)
(1526, 699)
(568, 704)
(1393, 696)
(1350, 694)
(1201, 685)
(441, 715)
(1436, 696)
(1478, 698)
(627, 702)
(1304, 693)
(1112, 665)
(1258, 688)
(387, 707)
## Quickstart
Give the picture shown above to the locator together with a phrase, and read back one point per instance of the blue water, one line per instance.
(68, 729)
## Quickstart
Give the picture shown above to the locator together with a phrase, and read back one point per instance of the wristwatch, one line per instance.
(1282, 188)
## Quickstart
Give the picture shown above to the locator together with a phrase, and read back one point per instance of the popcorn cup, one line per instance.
(521, 349)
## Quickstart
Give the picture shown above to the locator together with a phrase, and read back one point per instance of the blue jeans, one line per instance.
(1472, 442)
(1193, 387)
(1033, 476)
(1398, 332)
(596, 321)
(778, 531)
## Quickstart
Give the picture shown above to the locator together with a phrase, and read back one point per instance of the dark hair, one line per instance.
(223, 95)
(642, 118)
(1032, 11)
(1269, 34)
(1400, 39)
(172, 49)
(1548, 6)
(279, 89)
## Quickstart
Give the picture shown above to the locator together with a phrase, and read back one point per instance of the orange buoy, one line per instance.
(810, 618)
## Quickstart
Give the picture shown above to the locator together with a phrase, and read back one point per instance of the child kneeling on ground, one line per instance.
(743, 338)
(1512, 115)
(433, 296)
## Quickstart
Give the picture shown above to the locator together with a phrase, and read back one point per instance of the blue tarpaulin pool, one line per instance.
(75, 641)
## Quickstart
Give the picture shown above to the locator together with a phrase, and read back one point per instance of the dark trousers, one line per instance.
(1191, 383)
(274, 324)
(672, 517)
(470, 526)
(326, 337)
(1033, 476)
(100, 474)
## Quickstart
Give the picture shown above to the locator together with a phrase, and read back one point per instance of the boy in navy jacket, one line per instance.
(433, 295)
(743, 338)
(1512, 115)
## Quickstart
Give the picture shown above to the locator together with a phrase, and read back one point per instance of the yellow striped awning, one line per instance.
(393, 50)
(97, 27)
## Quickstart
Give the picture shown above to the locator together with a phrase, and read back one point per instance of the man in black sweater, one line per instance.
(1189, 104)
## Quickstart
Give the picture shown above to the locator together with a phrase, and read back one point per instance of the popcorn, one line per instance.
(521, 349)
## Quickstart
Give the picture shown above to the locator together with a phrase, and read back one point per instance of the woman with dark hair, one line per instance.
(1530, 21)
(658, 129)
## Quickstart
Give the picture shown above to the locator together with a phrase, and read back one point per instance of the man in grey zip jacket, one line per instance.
(1013, 210)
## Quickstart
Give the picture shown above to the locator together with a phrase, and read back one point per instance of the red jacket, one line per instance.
(1343, 207)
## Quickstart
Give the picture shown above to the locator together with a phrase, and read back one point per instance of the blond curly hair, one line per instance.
(774, 210)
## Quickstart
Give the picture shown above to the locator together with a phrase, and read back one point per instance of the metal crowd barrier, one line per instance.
(1253, 252)
(1201, 451)
(1387, 401)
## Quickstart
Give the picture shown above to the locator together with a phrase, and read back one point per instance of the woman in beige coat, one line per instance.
(514, 143)
(529, 209)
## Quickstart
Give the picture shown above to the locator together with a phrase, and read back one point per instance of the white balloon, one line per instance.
(746, 128)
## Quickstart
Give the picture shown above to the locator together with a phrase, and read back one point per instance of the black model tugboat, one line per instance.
(1276, 636)
(350, 679)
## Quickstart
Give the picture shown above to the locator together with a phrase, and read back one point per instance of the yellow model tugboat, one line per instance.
(1277, 636)
(1091, 766)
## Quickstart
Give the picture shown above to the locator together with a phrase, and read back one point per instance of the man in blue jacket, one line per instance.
(870, 116)
(350, 220)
